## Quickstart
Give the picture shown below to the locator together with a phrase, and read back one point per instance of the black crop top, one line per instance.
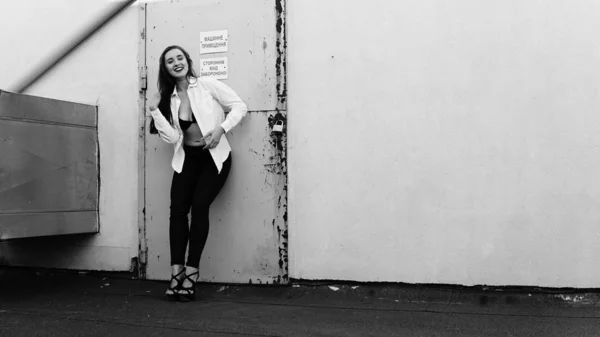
(186, 124)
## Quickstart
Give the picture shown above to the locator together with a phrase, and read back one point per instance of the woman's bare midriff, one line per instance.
(193, 136)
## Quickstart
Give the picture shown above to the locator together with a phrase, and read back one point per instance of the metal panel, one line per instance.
(248, 234)
(15, 226)
(252, 42)
(49, 167)
(26, 107)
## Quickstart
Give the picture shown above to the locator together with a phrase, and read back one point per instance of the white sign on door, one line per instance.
(214, 68)
(213, 42)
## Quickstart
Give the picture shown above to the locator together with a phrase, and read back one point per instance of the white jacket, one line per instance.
(208, 98)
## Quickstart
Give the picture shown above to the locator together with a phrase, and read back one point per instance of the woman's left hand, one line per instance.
(213, 137)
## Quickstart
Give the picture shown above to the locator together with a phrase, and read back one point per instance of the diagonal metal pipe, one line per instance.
(69, 48)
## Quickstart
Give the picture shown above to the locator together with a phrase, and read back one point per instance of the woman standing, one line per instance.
(189, 113)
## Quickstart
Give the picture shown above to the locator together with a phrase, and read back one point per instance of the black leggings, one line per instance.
(195, 187)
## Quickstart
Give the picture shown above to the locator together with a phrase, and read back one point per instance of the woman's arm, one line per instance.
(229, 99)
(166, 131)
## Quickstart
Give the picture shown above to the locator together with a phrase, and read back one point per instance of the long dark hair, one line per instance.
(166, 85)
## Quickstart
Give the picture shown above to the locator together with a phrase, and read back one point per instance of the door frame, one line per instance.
(141, 262)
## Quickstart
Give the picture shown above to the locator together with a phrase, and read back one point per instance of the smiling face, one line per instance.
(176, 63)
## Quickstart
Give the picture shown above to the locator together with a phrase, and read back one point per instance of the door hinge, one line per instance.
(143, 78)
(142, 263)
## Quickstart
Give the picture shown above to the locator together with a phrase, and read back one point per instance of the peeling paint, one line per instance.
(278, 141)
(281, 46)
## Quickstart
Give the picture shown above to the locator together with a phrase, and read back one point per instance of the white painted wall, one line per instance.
(441, 141)
(101, 72)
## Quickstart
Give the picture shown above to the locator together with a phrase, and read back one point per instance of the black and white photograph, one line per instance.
(299, 168)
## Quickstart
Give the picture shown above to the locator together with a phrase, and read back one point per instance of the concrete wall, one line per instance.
(101, 72)
(445, 142)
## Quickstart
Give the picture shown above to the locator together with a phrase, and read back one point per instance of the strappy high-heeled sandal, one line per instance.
(174, 290)
(188, 294)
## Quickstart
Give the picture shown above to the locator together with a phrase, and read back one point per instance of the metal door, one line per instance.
(48, 167)
(248, 234)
